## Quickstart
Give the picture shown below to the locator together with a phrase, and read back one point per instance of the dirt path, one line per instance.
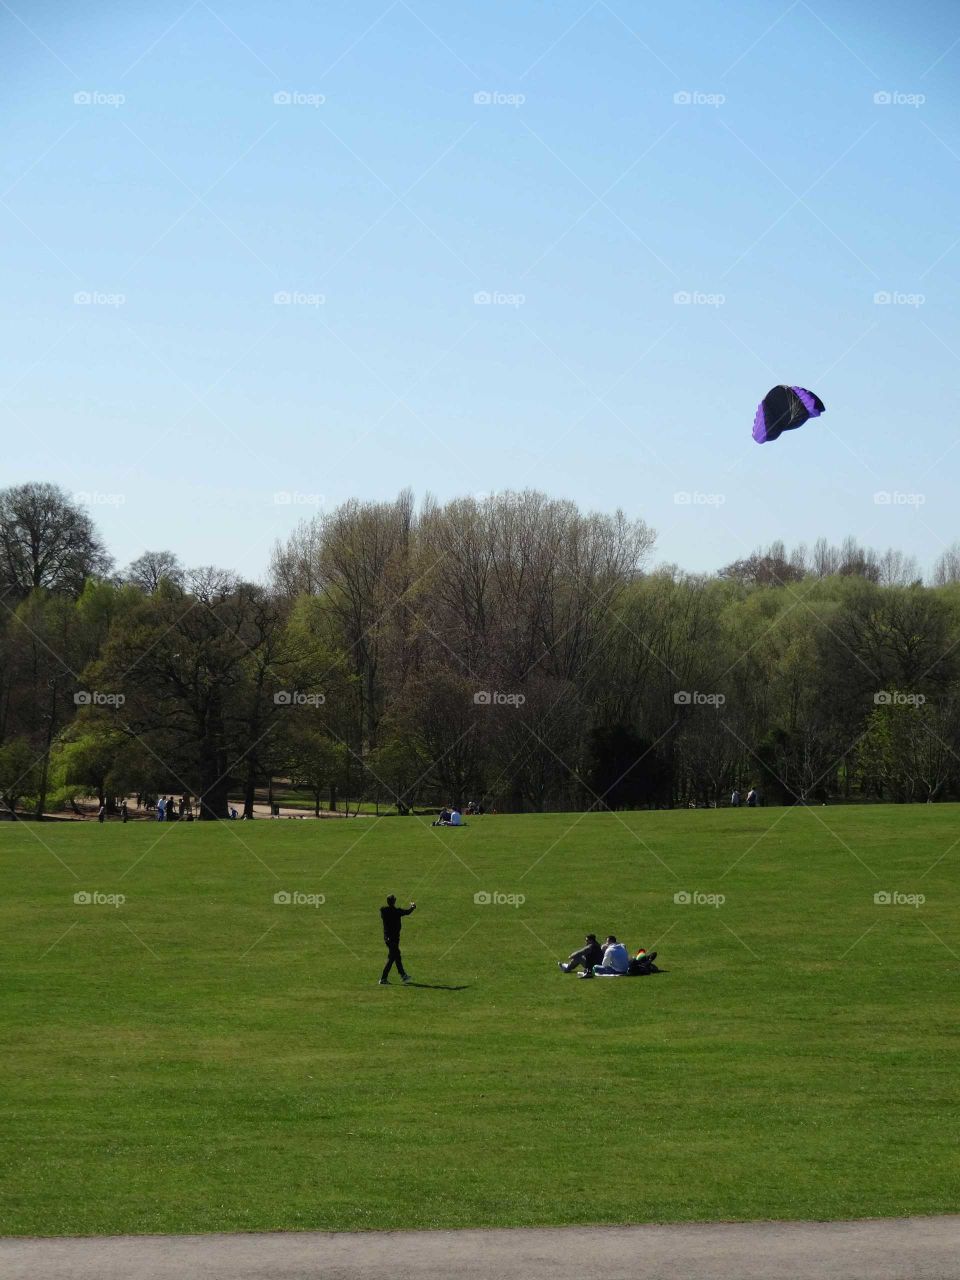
(884, 1249)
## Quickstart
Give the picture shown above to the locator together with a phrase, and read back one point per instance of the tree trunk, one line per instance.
(45, 766)
(214, 782)
(249, 791)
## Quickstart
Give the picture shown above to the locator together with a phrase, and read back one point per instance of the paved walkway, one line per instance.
(885, 1249)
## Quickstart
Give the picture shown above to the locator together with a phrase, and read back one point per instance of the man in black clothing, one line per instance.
(588, 955)
(392, 917)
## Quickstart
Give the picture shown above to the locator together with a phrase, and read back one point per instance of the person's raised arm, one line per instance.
(410, 910)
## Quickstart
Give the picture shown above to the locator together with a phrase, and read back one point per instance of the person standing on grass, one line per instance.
(392, 918)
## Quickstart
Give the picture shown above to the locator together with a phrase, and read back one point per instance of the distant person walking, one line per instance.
(161, 806)
(735, 800)
(102, 813)
(392, 917)
(752, 798)
(123, 811)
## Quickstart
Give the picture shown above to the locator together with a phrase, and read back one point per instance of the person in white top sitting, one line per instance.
(616, 961)
(451, 817)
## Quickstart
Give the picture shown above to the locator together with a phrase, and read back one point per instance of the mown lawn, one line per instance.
(201, 1058)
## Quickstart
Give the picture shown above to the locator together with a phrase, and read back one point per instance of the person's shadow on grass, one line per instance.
(436, 986)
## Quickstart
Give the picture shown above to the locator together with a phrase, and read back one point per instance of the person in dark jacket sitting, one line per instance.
(588, 955)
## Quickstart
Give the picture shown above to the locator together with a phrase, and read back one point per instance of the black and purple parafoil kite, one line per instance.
(784, 409)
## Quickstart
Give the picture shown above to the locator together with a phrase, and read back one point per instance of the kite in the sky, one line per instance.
(783, 409)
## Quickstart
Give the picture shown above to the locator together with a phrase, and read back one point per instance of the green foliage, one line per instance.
(19, 774)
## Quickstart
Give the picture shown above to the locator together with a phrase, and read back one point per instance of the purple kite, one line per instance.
(784, 409)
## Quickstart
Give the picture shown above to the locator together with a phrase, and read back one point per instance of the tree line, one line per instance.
(514, 650)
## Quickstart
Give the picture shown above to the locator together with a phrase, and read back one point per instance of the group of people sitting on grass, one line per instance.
(449, 816)
(609, 959)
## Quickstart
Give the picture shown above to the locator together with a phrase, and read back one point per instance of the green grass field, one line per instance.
(200, 1058)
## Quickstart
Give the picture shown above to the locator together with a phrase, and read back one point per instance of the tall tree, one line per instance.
(46, 541)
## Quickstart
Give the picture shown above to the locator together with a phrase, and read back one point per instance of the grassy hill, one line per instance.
(200, 1057)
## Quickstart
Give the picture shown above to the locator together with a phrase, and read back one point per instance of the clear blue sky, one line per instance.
(782, 187)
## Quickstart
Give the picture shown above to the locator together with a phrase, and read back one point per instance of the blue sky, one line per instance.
(625, 154)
